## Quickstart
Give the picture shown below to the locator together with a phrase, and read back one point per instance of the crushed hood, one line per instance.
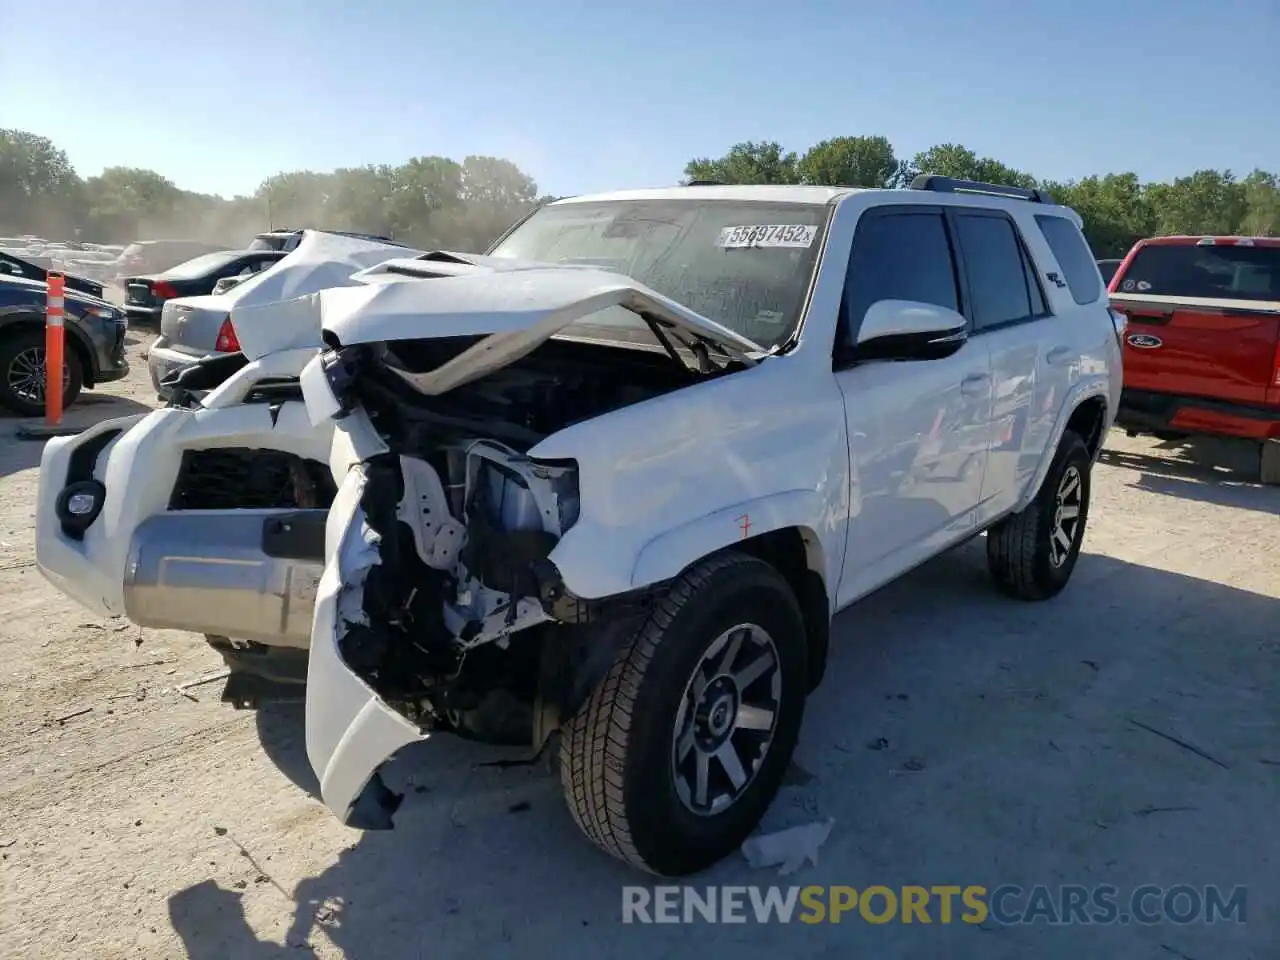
(514, 305)
(320, 261)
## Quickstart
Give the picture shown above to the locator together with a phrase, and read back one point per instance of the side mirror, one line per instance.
(909, 330)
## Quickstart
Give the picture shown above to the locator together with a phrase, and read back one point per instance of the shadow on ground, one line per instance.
(1123, 733)
(1209, 469)
(18, 454)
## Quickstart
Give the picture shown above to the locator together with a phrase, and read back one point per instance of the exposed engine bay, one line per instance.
(452, 622)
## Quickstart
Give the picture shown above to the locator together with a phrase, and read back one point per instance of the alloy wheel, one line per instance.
(1066, 516)
(26, 375)
(726, 720)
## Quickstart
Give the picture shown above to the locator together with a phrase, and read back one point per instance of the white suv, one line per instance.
(614, 479)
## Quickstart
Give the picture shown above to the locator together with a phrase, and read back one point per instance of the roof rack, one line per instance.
(704, 183)
(929, 181)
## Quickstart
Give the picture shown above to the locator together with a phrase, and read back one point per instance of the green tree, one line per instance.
(850, 162)
(953, 160)
(39, 189)
(1114, 208)
(747, 162)
(1262, 205)
(1208, 201)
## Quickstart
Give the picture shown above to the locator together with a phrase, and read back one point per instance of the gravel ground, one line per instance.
(959, 738)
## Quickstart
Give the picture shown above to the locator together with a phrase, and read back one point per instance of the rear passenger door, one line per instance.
(917, 429)
(1029, 361)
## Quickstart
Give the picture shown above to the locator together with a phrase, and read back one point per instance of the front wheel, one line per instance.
(22, 375)
(682, 747)
(1032, 553)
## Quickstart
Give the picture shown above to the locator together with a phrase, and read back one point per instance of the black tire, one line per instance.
(17, 350)
(1269, 462)
(1020, 556)
(617, 764)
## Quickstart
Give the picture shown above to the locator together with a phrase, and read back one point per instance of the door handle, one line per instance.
(1057, 354)
(975, 384)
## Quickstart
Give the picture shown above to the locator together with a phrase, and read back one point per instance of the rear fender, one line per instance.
(1081, 392)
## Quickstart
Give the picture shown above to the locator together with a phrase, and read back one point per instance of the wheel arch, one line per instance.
(1089, 420)
(1085, 411)
(22, 322)
(797, 554)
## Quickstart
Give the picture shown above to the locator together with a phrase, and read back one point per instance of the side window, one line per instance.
(1000, 279)
(898, 256)
(1071, 250)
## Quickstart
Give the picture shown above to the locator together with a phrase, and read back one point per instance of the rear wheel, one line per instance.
(682, 747)
(1269, 462)
(22, 374)
(1031, 554)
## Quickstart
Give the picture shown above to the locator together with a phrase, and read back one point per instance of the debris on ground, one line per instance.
(70, 716)
(184, 688)
(1181, 743)
(787, 849)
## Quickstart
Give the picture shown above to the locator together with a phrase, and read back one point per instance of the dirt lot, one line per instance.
(959, 739)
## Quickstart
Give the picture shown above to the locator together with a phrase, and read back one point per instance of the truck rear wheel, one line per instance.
(679, 751)
(1031, 554)
(1269, 462)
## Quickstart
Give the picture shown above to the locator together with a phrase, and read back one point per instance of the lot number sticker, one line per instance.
(767, 235)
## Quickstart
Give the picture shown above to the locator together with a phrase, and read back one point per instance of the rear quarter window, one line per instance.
(1071, 250)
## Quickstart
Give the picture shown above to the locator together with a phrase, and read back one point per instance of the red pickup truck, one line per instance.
(1202, 350)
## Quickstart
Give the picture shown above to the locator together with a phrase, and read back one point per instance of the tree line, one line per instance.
(428, 202)
(1117, 208)
(434, 201)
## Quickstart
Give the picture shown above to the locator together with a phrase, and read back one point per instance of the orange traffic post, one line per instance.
(53, 345)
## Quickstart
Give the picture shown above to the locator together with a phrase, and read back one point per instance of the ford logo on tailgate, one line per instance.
(1144, 341)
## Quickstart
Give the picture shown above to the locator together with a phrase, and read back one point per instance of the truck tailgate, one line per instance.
(1199, 346)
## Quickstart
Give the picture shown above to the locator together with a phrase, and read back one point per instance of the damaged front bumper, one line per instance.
(407, 637)
(350, 731)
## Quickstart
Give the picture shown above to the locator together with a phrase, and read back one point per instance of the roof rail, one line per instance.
(929, 181)
(705, 183)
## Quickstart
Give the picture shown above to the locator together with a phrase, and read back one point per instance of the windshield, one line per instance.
(1219, 272)
(746, 265)
(199, 266)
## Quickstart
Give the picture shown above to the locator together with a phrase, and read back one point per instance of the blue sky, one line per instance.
(218, 96)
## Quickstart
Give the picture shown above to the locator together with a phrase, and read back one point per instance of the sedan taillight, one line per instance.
(227, 341)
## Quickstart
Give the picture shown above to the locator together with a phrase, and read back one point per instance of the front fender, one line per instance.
(1086, 390)
(601, 572)
(667, 554)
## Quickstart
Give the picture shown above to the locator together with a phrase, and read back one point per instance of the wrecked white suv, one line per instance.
(614, 479)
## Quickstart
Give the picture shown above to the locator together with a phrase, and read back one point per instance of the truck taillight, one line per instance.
(227, 341)
(1120, 322)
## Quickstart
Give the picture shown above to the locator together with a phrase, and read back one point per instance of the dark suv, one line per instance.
(94, 344)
